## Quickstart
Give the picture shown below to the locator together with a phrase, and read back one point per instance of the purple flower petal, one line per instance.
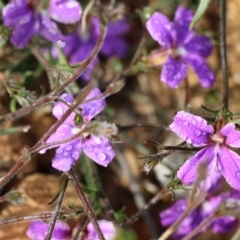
(233, 136)
(173, 72)
(22, 34)
(229, 166)
(106, 227)
(188, 172)
(92, 108)
(60, 108)
(224, 224)
(17, 13)
(99, 150)
(49, 29)
(201, 68)
(200, 45)
(64, 131)
(114, 47)
(66, 155)
(169, 216)
(182, 19)
(212, 183)
(65, 11)
(37, 230)
(160, 28)
(193, 129)
(117, 28)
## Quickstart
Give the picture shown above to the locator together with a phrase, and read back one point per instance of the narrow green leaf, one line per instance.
(202, 8)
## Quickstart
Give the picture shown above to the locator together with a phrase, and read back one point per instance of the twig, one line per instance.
(225, 87)
(64, 214)
(203, 224)
(57, 209)
(88, 208)
(51, 96)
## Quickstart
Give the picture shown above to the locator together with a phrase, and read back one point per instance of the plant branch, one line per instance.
(87, 206)
(225, 87)
(57, 209)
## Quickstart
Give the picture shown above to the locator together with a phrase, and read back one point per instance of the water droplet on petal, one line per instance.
(97, 140)
(75, 155)
(108, 148)
(101, 157)
(59, 150)
(185, 114)
(168, 26)
(238, 175)
(65, 154)
(185, 123)
(156, 22)
(197, 133)
(194, 122)
(88, 148)
(61, 43)
(69, 148)
(177, 76)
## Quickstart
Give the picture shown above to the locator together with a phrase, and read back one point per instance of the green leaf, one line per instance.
(202, 8)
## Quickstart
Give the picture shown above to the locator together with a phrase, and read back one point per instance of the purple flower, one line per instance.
(37, 230)
(97, 148)
(181, 47)
(207, 208)
(106, 227)
(215, 153)
(169, 216)
(79, 45)
(28, 18)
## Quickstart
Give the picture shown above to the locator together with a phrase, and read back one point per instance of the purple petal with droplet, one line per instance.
(188, 172)
(173, 72)
(160, 29)
(66, 155)
(16, 13)
(92, 108)
(229, 166)
(49, 29)
(182, 19)
(193, 129)
(169, 216)
(200, 45)
(106, 227)
(65, 11)
(99, 150)
(23, 33)
(60, 108)
(233, 136)
(201, 68)
(38, 229)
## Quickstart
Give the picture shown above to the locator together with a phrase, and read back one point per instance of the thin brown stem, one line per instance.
(223, 52)
(203, 224)
(87, 206)
(147, 207)
(57, 210)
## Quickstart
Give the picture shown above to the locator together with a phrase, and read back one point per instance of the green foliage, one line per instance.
(202, 8)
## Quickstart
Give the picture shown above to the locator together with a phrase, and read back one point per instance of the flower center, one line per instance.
(38, 5)
(217, 137)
